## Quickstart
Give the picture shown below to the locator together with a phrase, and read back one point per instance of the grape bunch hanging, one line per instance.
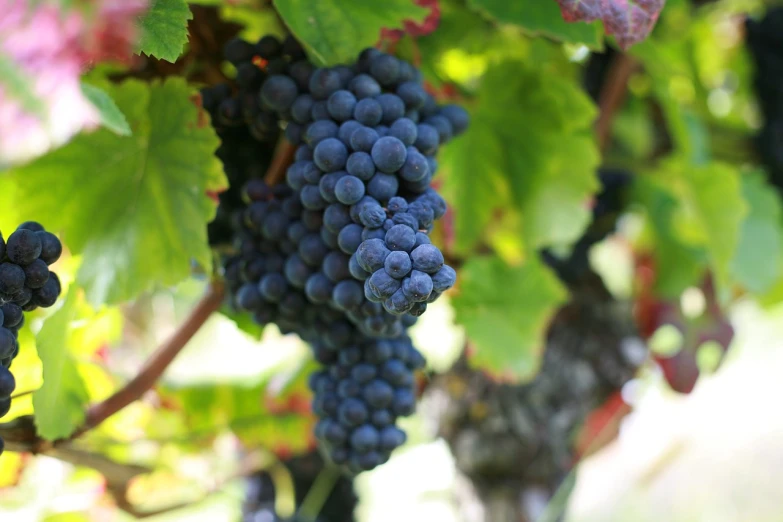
(339, 253)
(26, 283)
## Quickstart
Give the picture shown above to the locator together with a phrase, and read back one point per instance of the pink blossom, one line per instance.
(43, 52)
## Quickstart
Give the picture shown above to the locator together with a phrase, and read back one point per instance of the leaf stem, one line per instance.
(284, 156)
(612, 96)
(315, 499)
(157, 363)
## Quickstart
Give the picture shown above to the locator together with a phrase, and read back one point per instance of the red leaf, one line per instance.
(630, 21)
(412, 28)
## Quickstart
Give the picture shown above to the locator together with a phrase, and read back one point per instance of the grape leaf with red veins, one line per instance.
(630, 21)
(414, 28)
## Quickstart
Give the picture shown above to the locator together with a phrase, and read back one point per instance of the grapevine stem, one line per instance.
(157, 363)
(315, 499)
(284, 156)
(612, 96)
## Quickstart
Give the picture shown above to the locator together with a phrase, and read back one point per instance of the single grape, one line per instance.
(12, 315)
(368, 112)
(341, 105)
(371, 254)
(398, 303)
(378, 394)
(297, 272)
(349, 238)
(311, 197)
(364, 86)
(301, 108)
(349, 190)
(248, 298)
(365, 438)
(336, 216)
(412, 94)
(400, 237)
(318, 288)
(404, 402)
(363, 139)
(415, 167)
(427, 258)
(352, 412)
(443, 126)
(278, 92)
(31, 225)
(391, 437)
(273, 287)
(457, 116)
(11, 278)
(404, 130)
(347, 128)
(328, 183)
(23, 246)
(382, 418)
(7, 382)
(389, 154)
(320, 112)
(356, 269)
(323, 82)
(383, 187)
(320, 130)
(349, 388)
(36, 274)
(392, 107)
(383, 285)
(237, 51)
(268, 47)
(398, 264)
(427, 139)
(335, 266)
(348, 295)
(312, 249)
(417, 287)
(330, 155)
(372, 216)
(360, 164)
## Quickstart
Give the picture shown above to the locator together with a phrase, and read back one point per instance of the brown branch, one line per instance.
(284, 156)
(612, 96)
(157, 363)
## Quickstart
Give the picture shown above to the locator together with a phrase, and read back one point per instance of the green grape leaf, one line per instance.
(135, 207)
(677, 265)
(697, 213)
(111, 116)
(541, 18)
(758, 260)
(505, 311)
(529, 150)
(164, 29)
(60, 402)
(711, 210)
(277, 423)
(334, 31)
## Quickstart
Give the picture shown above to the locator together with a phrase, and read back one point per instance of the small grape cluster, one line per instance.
(25, 279)
(765, 41)
(26, 283)
(340, 253)
(359, 395)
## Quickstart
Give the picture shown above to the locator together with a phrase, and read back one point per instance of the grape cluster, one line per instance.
(765, 41)
(26, 283)
(338, 254)
(359, 395)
